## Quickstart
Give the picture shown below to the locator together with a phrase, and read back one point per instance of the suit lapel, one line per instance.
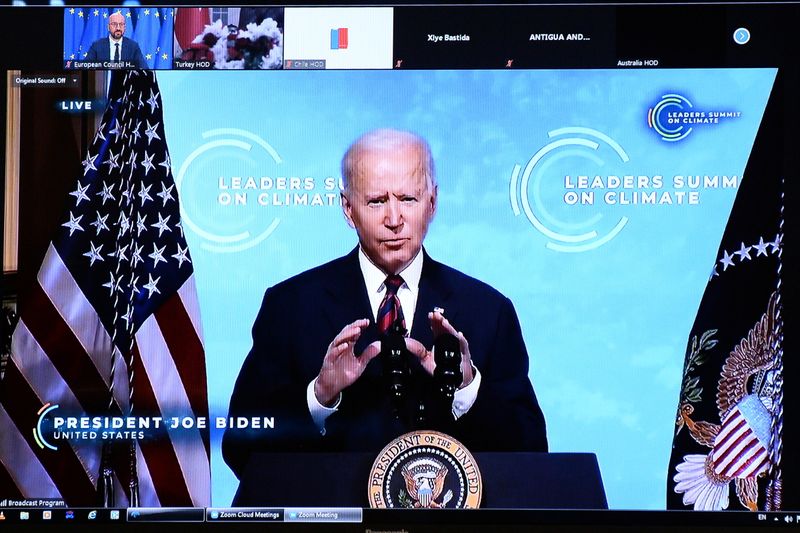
(434, 291)
(348, 300)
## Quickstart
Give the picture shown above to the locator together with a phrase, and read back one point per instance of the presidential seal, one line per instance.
(425, 470)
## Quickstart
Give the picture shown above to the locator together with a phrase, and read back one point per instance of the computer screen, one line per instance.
(340, 264)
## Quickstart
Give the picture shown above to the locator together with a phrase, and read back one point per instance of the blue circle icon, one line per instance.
(741, 36)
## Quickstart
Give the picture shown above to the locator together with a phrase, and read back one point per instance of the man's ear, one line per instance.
(434, 195)
(347, 209)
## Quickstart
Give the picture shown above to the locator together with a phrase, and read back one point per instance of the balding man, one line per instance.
(316, 336)
(117, 47)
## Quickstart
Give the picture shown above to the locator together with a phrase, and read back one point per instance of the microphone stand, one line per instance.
(446, 378)
(395, 367)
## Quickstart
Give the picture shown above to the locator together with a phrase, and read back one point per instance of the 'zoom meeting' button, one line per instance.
(323, 514)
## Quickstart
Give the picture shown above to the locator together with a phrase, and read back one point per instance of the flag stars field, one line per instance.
(89, 307)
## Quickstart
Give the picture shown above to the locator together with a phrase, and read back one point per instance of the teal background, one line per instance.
(606, 329)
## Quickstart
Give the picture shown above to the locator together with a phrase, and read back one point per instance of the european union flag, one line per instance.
(96, 27)
(126, 12)
(165, 38)
(74, 21)
(148, 26)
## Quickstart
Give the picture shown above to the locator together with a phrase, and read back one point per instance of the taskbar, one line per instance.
(386, 517)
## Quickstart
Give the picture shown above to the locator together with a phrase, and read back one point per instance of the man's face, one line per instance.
(116, 26)
(390, 205)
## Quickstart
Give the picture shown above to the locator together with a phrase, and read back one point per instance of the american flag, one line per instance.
(113, 325)
(729, 434)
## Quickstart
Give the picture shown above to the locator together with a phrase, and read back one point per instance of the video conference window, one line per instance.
(427, 286)
(102, 38)
(229, 38)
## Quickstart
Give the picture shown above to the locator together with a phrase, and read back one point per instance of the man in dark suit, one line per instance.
(117, 47)
(317, 333)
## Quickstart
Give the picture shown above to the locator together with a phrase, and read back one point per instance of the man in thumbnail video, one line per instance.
(117, 47)
(315, 366)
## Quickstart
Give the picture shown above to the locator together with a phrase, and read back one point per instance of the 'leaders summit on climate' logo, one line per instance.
(674, 117)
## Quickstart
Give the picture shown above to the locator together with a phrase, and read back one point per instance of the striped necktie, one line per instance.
(390, 311)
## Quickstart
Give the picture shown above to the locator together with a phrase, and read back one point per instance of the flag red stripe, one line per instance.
(730, 427)
(727, 458)
(158, 452)
(8, 489)
(747, 462)
(63, 465)
(189, 356)
(752, 441)
(728, 446)
(759, 463)
(186, 351)
(743, 459)
(67, 354)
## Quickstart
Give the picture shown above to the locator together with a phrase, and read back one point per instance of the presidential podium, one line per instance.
(510, 480)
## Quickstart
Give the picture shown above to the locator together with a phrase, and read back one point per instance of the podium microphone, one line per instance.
(395, 366)
(448, 375)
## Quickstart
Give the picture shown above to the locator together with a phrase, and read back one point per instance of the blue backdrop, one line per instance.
(606, 291)
(151, 28)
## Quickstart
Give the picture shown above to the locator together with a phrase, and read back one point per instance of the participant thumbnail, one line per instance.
(248, 38)
(114, 37)
(339, 38)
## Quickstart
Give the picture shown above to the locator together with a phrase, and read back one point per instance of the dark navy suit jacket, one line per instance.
(300, 317)
(99, 51)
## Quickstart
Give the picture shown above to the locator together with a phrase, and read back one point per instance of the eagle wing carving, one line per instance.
(702, 432)
(705, 433)
(753, 354)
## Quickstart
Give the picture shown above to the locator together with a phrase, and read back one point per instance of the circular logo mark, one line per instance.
(213, 239)
(425, 470)
(525, 185)
(38, 433)
(658, 117)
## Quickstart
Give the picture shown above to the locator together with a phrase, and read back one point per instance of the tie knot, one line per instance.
(393, 283)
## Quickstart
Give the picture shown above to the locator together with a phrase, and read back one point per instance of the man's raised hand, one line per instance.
(439, 326)
(341, 367)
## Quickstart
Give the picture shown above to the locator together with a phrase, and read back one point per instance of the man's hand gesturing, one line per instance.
(440, 325)
(341, 367)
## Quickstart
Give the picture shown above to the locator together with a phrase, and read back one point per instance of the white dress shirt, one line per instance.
(112, 48)
(408, 292)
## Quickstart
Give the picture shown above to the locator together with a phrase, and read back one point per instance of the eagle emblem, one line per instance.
(424, 480)
(425, 470)
(740, 443)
